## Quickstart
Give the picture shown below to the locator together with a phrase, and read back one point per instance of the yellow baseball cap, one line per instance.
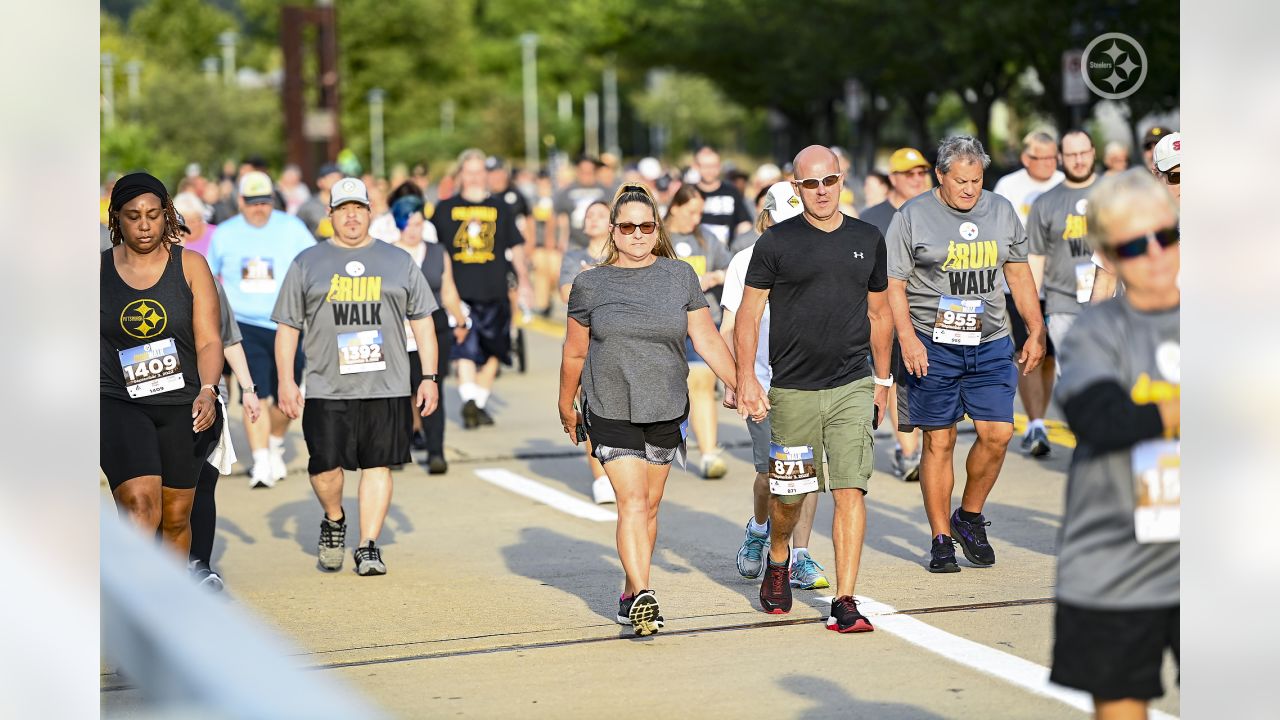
(904, 159)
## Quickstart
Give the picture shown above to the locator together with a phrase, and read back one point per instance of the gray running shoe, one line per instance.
(204, 576)
(806, 573)
(911, 467)
(1039, 443)
(369, 560)
(751, 554)
(333, 543)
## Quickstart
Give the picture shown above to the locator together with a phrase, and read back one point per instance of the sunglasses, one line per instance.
(812, 183)
(1173, 177)
(627, 228)
(1138, 247)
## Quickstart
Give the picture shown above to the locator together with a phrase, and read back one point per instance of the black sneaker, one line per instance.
(470, 415)
(418, 441)
(911, 467)
(943, 555)
(624, 613)
(436, 465)
(845, 617)
(1039, 444)
(369, 560)
(483, 417)
(519, 349)
(333, 543)
(204, 576)
(972, 538)
(775, 591)
(644, 613)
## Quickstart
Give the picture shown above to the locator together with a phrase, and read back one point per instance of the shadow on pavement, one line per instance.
(227, 527)
(586, 569)
(301, 521)
(832, 701)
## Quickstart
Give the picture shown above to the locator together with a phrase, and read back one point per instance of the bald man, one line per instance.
(824, 275)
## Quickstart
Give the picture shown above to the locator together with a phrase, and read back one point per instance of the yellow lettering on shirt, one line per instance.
(1076, 228)
(971, 255)
(1147, 391)
(359, 289)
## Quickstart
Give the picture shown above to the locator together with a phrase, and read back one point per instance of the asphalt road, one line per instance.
(497, 604)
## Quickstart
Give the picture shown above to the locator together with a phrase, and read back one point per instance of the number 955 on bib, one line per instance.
(791, 470)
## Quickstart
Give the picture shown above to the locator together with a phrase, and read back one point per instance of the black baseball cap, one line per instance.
(1153, 136)
(329, 169)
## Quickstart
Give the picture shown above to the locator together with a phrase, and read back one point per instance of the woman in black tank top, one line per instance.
(160, 358)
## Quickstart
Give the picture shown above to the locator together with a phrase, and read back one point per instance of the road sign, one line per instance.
(1074, 91)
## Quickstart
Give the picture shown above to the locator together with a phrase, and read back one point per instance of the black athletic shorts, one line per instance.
(655, 442)
(900, 389)
(1113, 654)
(137, 439)
(356, 434)
(1018, 329)
(260, 354)
(490, 334)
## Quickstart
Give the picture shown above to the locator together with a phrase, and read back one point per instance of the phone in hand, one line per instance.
(875, 416)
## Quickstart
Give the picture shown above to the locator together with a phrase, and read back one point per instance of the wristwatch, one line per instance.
(211, 388)
(249, 389)
(433, 377)
(883, 382)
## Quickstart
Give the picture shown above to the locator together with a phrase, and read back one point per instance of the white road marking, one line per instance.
(535, 490)
(1010, 668)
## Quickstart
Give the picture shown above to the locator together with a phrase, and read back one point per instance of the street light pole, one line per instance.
(108, 91)
(377, 160)
(210, 68)
(228, 42)
(132, 71)
(591, 124)
(529, 48)
(611, 110)
(448, 108)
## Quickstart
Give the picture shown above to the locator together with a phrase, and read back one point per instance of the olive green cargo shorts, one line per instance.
(836, 421)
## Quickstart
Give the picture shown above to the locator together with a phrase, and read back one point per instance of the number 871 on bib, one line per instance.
(791, 470)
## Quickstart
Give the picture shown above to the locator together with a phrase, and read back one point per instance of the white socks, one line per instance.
(262, 457)
(467, 391)
(759, 529)
(275, 444)
(1038, 423)
(481, 397)
(796, 552)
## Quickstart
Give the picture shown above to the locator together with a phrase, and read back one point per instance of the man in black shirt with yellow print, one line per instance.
(478, 231)
(824, 275)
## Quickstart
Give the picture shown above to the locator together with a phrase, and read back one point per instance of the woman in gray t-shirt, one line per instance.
(624, 345)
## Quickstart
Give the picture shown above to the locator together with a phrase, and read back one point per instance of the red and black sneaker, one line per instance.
(845, 617)
(775, 591)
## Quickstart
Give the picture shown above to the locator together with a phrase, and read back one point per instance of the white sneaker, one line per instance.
(602, 490)
(278, 469)
(260, 476)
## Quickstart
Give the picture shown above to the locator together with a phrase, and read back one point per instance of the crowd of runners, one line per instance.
(816, 305)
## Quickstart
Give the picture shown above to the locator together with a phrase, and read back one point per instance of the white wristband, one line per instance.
(883, 382)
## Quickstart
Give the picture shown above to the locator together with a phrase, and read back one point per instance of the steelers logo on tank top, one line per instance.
(144, 319)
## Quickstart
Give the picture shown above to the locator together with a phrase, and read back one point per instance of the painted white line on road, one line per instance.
(1010, 668)
(535, 490)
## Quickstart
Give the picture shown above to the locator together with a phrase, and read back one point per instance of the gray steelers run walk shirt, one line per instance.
(953, 260)
(1101, 562)
(351, 304)
(638, 317)
(1056, 229)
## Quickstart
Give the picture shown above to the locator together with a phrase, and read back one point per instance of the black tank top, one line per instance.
(147, 336)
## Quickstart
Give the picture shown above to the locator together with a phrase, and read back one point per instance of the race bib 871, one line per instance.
(791, 470)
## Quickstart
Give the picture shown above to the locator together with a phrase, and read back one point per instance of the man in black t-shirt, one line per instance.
(500, 186)
(824, 275)
(724, 212)
(478, 229)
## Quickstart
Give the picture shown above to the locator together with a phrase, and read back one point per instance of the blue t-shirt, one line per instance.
(252, 262)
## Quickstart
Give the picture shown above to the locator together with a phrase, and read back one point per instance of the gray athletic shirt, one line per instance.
(941, 251)
(1100, 562)
(350, 305)
(230, 329)
(636, 368)
(1056, 229)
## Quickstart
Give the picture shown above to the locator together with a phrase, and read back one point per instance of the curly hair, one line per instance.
(167, 239)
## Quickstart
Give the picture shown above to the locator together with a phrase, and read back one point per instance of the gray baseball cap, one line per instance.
(347, 190)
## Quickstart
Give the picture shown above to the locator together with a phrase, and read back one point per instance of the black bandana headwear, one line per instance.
(134, 184)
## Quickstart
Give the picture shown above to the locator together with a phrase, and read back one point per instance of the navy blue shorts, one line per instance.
(260, 353)
(490, 334)
(978, 381)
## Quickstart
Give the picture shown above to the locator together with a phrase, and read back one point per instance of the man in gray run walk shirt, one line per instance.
(947, 249)
(352, 294)
(1059, 256)
(1118, 584)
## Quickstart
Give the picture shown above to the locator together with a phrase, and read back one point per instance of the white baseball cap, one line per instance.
(649, 168)
(255, 187)
(768, 173)
(1168, 152)
(347, 190)
(781, 202)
